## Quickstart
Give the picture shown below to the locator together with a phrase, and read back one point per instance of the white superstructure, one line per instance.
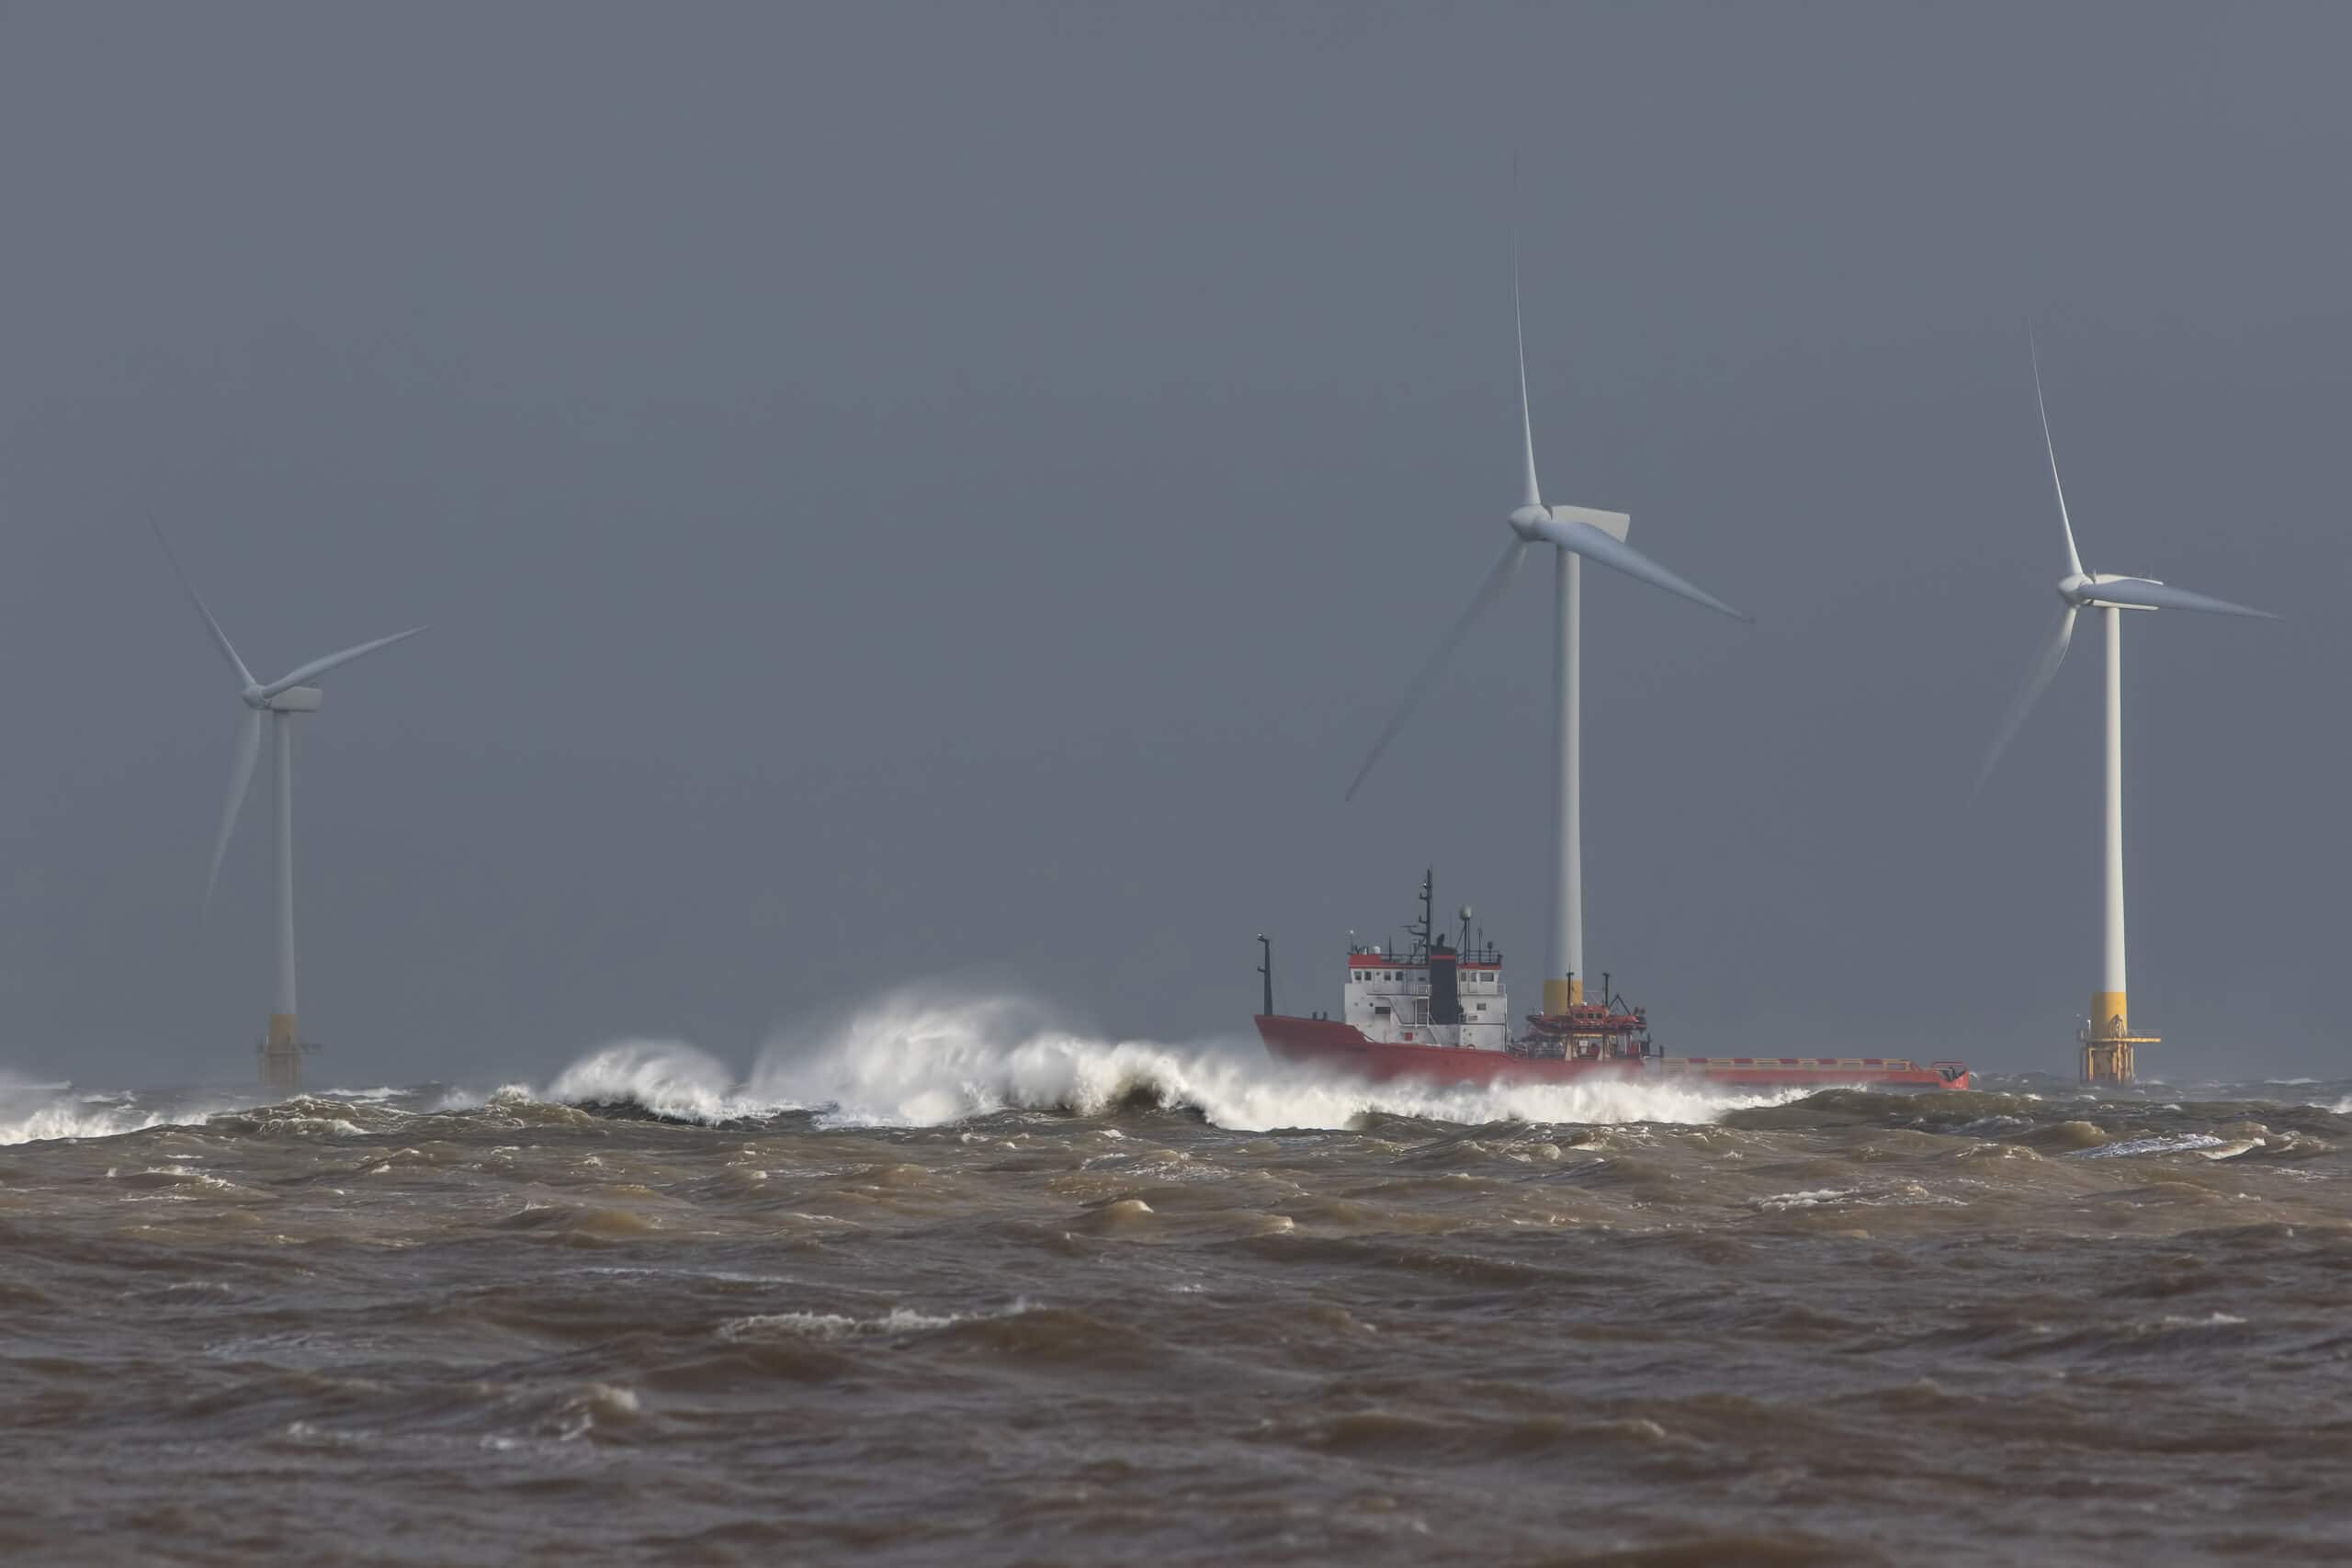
(1390, 997)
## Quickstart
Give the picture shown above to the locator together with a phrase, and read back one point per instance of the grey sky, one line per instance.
(906, 491)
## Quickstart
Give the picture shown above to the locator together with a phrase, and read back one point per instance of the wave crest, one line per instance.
(30, 1112)
(915, 1061)
(667, 1077)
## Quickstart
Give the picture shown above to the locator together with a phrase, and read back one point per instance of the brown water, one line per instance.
(1083, 1304)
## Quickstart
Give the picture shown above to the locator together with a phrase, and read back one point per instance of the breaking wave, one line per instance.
(913, 1061)
(30, 1112)
(668, 1078)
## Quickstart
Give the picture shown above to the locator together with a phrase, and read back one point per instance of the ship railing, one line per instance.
(1489, 954)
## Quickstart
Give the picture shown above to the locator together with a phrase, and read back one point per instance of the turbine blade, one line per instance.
(1593, 545)
(2141, 594)
(2037, 680)
(1533, 494)
(2074, 560)
(220, 638)
(1488, 591)
(317, 667)
(241, 777)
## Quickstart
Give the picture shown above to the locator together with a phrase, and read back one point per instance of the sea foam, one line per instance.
(30, 1112)
(916, 1060)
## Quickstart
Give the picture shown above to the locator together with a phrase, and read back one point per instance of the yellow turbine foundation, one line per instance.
(2107, 1042)
(1559, 995)
(281, 1054)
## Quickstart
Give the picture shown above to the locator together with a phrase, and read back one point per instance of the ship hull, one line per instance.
(1325, 1042)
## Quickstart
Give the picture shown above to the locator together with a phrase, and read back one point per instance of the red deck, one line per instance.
(1327, 1042)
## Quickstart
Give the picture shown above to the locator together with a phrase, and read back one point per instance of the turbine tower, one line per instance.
(1578, 533)
(282, 1050)
(2106, 1041)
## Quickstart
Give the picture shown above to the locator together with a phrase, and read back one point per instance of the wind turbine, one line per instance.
(2106, 1039)
(1578, 533)
(281, 1053)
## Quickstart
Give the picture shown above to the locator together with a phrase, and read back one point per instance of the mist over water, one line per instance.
(955, 1281)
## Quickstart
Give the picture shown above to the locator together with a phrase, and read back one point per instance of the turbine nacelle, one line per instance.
(281, 698)
(2080, 590)
(1540, 525)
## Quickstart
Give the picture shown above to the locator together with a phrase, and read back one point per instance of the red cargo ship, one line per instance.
(1438, 1012)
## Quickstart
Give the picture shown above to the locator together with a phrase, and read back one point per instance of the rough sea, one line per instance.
(954, 1288)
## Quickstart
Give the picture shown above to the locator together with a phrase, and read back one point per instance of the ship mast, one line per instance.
(1423, 933)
